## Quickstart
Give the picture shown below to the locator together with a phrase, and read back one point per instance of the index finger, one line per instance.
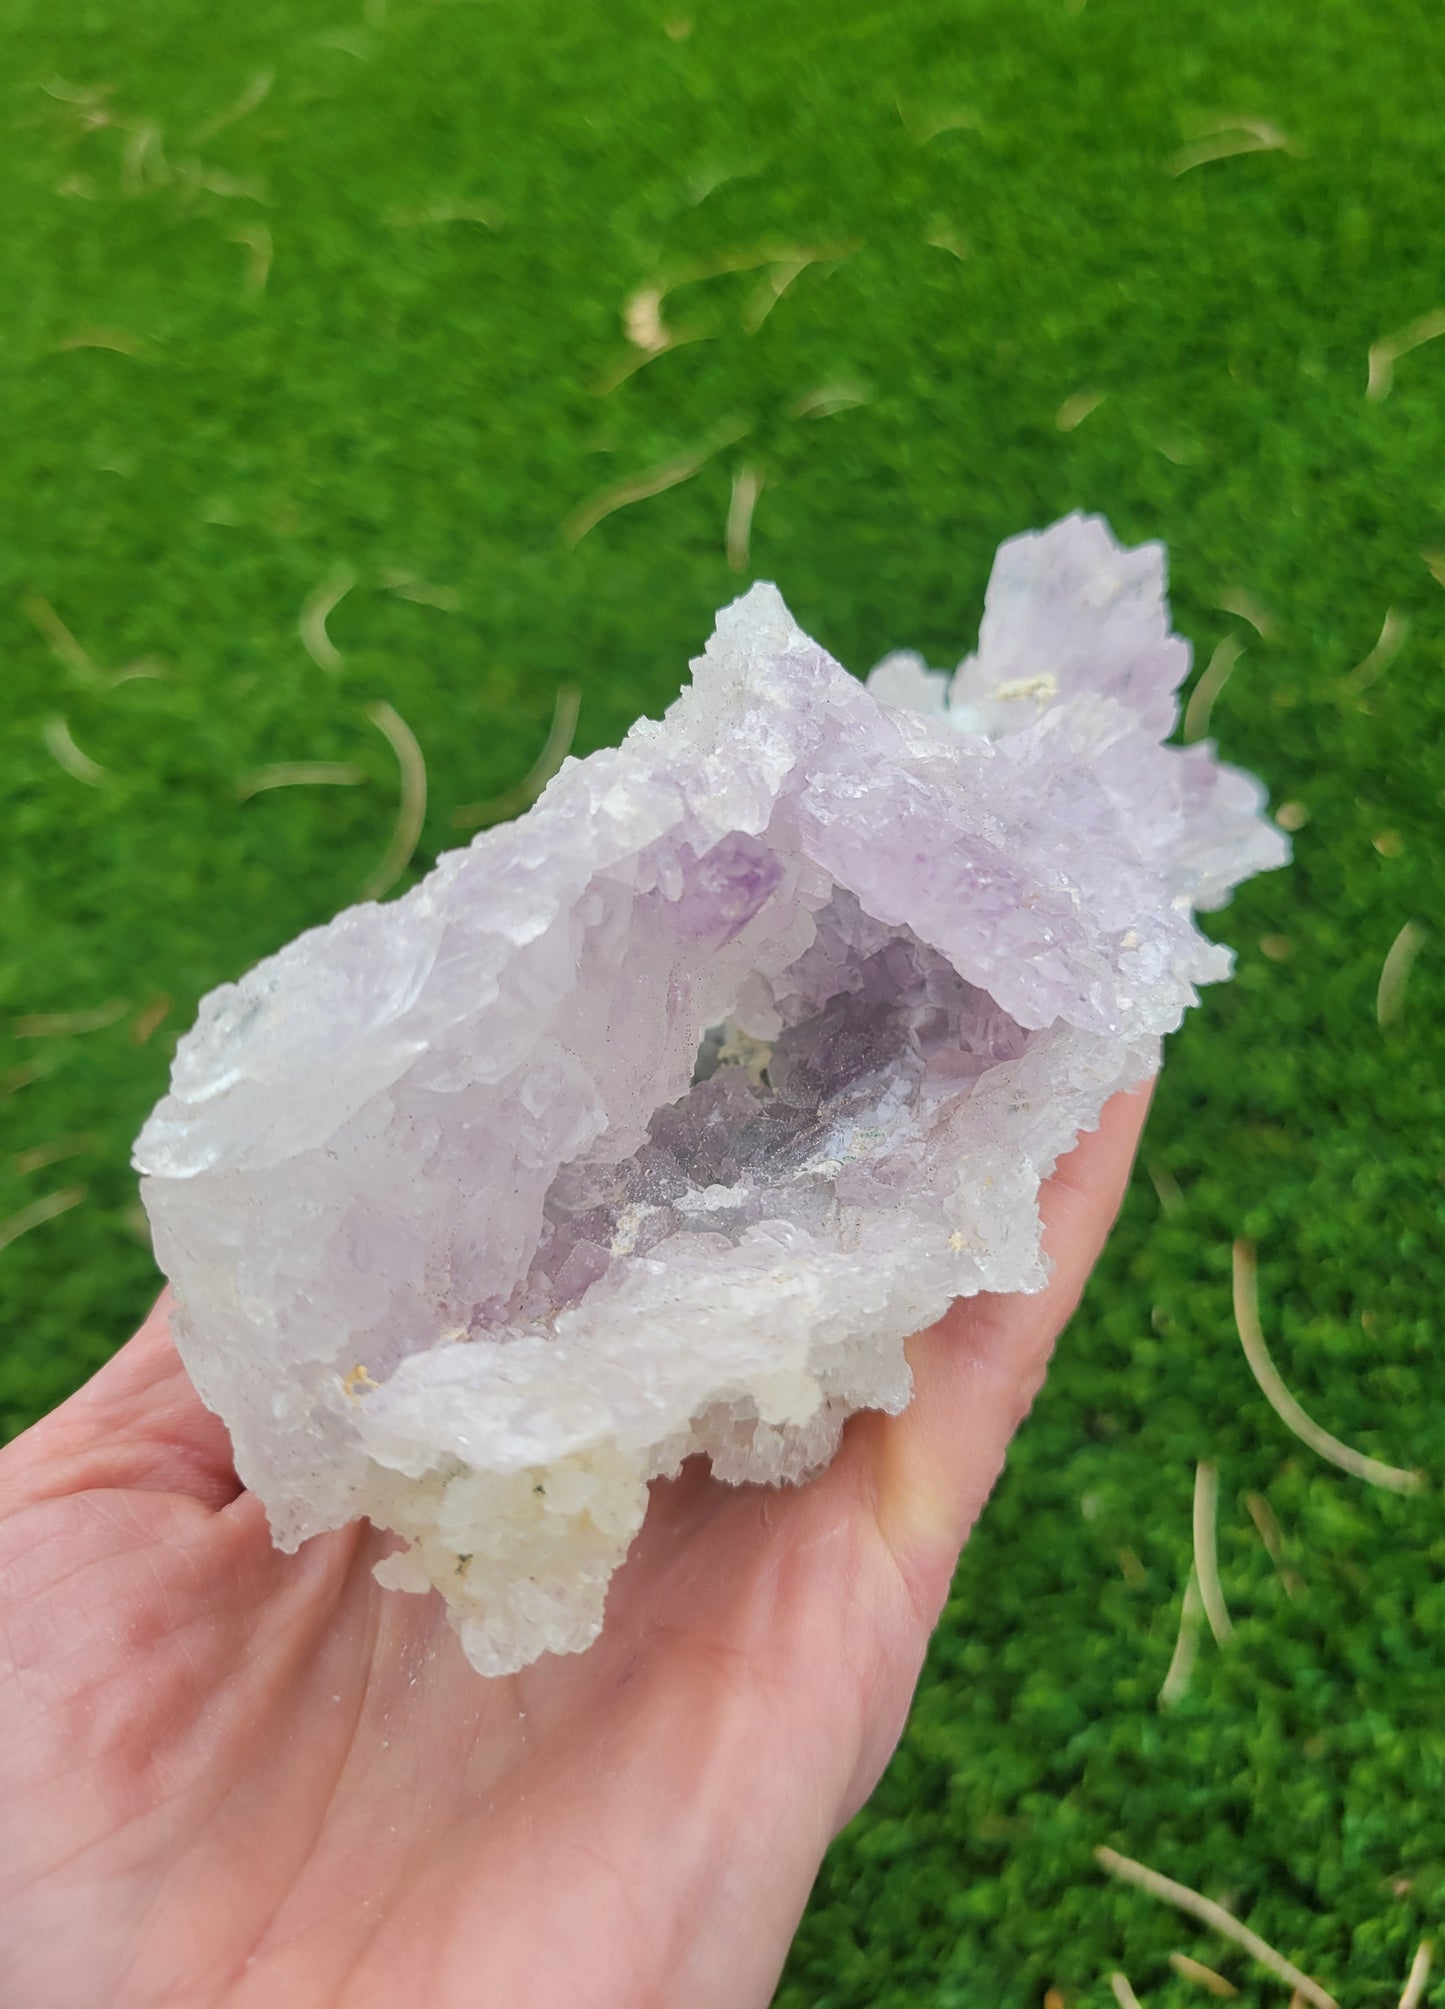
(137, 1423)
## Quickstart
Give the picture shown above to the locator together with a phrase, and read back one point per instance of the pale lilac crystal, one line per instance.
(654, 1122)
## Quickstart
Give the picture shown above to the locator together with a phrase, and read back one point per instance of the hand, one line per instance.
(233, 1776)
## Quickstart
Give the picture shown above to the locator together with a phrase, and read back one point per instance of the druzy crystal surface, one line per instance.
(654, 1122)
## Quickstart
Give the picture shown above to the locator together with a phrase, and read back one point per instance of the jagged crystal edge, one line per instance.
(654, 1122)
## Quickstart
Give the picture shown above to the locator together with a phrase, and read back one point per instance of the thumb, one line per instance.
(978, 1370)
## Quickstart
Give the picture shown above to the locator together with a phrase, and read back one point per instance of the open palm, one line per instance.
(232, 1776)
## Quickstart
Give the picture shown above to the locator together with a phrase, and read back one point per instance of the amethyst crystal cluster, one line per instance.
(654, 1122)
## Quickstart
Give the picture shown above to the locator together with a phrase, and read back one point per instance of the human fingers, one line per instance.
(137, 1423)
(978, 1370)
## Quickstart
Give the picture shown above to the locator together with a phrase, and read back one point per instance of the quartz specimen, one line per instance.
(654, 1122)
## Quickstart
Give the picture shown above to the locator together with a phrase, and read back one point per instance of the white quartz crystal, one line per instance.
(654, 1122)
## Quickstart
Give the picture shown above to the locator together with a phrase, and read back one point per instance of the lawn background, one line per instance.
(370, 326)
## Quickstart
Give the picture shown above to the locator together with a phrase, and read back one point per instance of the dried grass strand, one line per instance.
(1217, 672)
(318, 608)
(639, 359)
(1247, 606)
(411, 586)
(1226, 140)
(943, 237)
(253, 95)
(747, 487)
(1419, 1974)
(118, 340)
(652, 481)
(299, 774)
(923, 126)
(555, 749)
(1074, 410)
(642, 320)
(1217, 1918)
(1123, 1991)
(1395, 973)
(829, 399)
(1168, 1191)
(1175, 1684)
(143, 164)
(1263, 1516)
(40, 1156)
(1393, 631)
(430, 214)
(38, 1212)
(768, 292)
(256, 239)
(648, 333)
(752, 259)
(63, 644)
(1384, 354)
(77, 659)
(66, 1024)
(60, 745)
(1204, 1977)
(88, 96)
(1284, 1405)
(1206, 1552)
(149, 1018)
(411, 807)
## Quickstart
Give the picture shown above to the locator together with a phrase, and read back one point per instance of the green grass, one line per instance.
(415, 397)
